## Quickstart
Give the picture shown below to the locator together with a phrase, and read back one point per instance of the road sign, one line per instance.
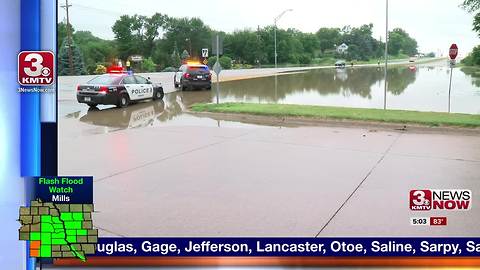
(217, 68)
(453, 52)
(220, 44)
(136, 58)
(205, 61)
(205, 52)
(453, 62)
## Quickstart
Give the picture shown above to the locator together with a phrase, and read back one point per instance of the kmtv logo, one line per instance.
(36, 68)
(440, 199)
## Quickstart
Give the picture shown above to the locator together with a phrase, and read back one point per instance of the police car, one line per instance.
(193, 75)
(118, 89)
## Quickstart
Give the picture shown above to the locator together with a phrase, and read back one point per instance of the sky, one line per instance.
(435, 24)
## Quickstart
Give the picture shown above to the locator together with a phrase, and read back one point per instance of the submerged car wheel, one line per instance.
(123, 101)
(158, 94)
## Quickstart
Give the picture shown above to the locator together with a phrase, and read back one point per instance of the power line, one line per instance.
(99, 9)
(82, 6)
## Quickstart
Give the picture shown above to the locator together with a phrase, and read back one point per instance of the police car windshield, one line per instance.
(106, 80)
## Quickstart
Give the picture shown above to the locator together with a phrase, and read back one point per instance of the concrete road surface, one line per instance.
(181, 175)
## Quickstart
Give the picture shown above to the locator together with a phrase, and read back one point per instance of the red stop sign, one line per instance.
(453, 52)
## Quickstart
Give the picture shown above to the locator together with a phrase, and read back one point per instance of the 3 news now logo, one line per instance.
(36, 68)
(440, 199)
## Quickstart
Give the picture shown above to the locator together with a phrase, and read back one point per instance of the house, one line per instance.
(342, 48)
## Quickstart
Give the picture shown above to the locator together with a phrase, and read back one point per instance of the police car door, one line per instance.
(179, 74)
(131, 86)
(146, 89)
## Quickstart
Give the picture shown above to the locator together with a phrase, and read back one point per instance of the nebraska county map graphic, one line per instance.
(58, 230)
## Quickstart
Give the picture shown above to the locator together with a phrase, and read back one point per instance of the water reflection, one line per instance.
(416, 87)
(142, 114)
(474, 73)
(346, 82)
(400, 78)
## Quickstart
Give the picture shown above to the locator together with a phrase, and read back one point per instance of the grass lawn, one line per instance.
(339, 113)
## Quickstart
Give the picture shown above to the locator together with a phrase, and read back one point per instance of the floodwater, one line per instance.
(421, 88)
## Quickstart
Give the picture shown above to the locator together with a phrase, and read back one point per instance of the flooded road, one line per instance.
(422, 88)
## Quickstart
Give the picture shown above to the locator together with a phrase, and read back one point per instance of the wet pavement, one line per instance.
(177, 174)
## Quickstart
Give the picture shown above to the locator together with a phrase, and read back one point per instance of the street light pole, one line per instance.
(275, 41)
(386, 58)
(275, 31)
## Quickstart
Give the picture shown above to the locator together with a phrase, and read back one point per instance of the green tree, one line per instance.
(136, 34)
(95, 50)
(148, 65)
(473, 59)
(328, 38)
(225, 62)
(189, 34)
(64, 61)
(245, 46)
(473, 6)
(401, 42)
(185, 55)
(362, 45)
(176, 60)
(62, 33)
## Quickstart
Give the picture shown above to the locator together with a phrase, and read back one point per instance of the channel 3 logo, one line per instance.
(36, 68)
(440, 199)
(420, 200)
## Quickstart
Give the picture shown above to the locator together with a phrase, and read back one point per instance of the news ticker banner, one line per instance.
(288, 247)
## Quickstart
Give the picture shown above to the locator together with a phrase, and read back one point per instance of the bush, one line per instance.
(148, 65)
(169, 69)
(100, 69)
(473, 59)
(305, 59)
(242, 66)
(225, 62)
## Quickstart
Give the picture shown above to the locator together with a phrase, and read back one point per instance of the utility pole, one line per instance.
(386, 58)
(69, 38)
